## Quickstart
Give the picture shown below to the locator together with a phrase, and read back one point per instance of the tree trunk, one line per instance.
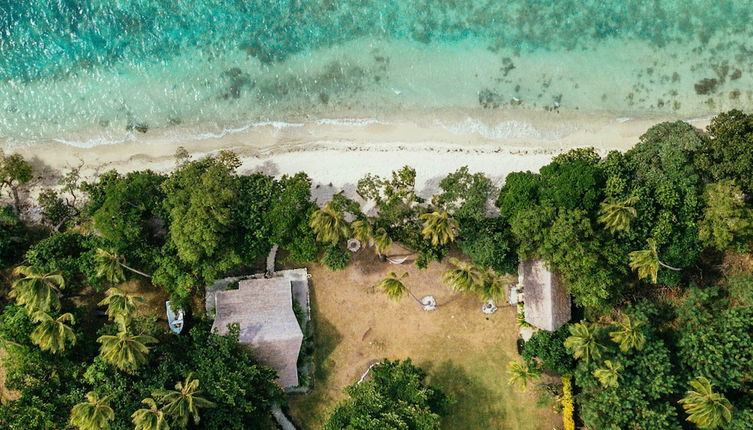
(415, 298)
(669, 267)
(135, 271)
(16, 200)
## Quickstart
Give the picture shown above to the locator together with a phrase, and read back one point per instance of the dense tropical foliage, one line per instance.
(654, 245)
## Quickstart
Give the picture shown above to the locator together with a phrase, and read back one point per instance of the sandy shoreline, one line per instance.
(337, 152)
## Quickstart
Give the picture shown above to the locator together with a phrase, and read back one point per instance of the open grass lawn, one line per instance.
(464, 351)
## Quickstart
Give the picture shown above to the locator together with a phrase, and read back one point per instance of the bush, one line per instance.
(335, 257)
(546, 350)
(568, 408)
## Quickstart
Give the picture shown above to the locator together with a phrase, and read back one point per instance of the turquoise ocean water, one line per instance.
(112, 67)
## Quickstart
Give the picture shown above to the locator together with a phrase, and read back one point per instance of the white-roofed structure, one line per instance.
(546, 300)
(263, 309)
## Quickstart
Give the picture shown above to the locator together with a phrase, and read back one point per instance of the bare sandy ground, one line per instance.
(464, 351)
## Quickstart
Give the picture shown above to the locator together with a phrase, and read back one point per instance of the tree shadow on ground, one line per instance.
(326, 338)
(474, 406)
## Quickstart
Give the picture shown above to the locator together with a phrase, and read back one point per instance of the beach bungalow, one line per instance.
(263, 309)
(546, 300)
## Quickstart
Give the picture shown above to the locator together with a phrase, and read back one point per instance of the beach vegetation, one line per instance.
(15, 173)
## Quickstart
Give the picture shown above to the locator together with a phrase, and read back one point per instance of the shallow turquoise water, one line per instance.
(120, 65)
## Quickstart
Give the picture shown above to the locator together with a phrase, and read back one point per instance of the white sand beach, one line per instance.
(337, 152)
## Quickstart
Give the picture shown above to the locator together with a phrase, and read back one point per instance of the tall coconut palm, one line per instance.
(329, 225)
(395, 289)
(617, 215)
(52, 334)
(646, 262)
(124, 350)
(439, 227)
(111, 265)
(93, 414)
(493, 285)
(362, 231)
(464, 277)
(609, 374)
(149, 418)
(121, 306)
(705, 408)
(37, 291)
(582, 342)
(629, 335)
(382, 241)
(184, 402)
(520, 373)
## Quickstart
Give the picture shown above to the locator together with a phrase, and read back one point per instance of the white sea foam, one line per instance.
(503, 130)
(97, 141)
(349, 122)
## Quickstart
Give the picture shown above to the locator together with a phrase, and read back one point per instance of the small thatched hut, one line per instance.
(263, 308)
(546, 301)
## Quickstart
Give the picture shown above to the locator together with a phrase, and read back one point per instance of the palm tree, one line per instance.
(121, 306)
(616, 216)
(646, 262)
(53, 334)
(493, 285)
(395, 288)
(439, 227)
(582, 341)
(329, 225)
(111, 266)
(37, 291)
(705, 408)
(465, 277)
(609, 375)
(520, 373)
(378, 238)
(185, 401)
(381, 241)
(124, 350)
(93, 414)
(149, 418)
(362, 231)
(629, 334)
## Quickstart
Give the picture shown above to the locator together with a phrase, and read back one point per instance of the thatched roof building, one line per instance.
(263, 308)
(546, 301)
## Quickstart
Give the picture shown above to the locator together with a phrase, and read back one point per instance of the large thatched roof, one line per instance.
(263, 310)
(547, 303)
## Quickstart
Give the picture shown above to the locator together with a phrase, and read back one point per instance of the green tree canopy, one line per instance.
(125, 351)
(645, 392)
(728, 152)
(37, 291)
(705, 408)
(201, 198)
(395, 397)
(53, 334)
(573, 180)
(150, 418)
(15, 172)
(439, 227)
(128, 211)
(184, 402)
(93, 414)
(727, 218)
